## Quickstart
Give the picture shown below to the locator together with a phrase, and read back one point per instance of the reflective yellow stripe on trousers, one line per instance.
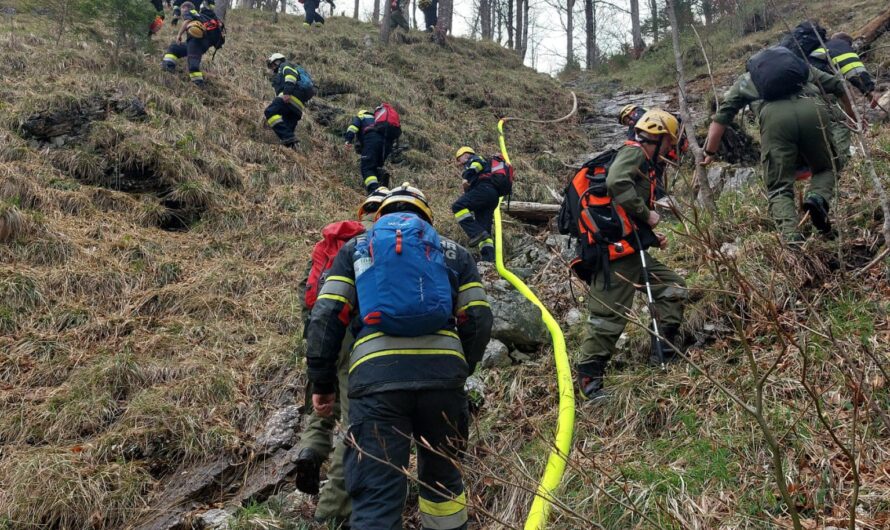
(444, 515)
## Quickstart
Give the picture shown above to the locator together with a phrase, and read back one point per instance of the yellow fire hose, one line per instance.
(556, 461)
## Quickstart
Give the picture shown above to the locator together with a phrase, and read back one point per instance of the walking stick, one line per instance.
(651, 303)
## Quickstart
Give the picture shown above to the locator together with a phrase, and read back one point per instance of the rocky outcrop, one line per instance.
(56, 126)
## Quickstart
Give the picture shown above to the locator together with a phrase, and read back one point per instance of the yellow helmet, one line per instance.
(405, 197)
(659, 122)
(463, 151)
(372, 202)
(195, 29)
(626, 111)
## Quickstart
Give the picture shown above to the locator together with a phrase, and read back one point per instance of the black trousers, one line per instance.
(375, 150)
(474, 210)
(431, 15)
(311, 7)
(283, 119)
(382, 426)
(194, 49)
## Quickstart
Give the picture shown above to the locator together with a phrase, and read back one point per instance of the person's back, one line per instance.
(838, 55)
(793, 125)
(401, 386)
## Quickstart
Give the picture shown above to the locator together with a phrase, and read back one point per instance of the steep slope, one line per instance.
(149, 316)
(154, 236)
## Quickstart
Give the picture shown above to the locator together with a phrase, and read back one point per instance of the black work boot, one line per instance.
(817, 207)
(590, 379)
(671, 334)
(292, 143)
(486, 253)
(308, 471)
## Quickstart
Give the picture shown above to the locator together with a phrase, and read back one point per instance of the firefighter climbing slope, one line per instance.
(293, 89)
(316, 440)
(419, 335)
(609, 209)
(201, 30)
(373, 134)
(794, 125)
(485, 181)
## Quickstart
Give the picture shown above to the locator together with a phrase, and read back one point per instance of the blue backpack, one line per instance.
(305, 87)
(403, 283)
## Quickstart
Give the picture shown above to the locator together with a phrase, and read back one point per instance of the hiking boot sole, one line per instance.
(818, 216)
(308, 476)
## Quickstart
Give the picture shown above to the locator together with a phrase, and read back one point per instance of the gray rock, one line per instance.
(475, 385)
(730, 250)
(520, 357)
(215, 519)
(280, 430)
(740, 179)
(715, 178)
(563, 245)
(517, 322)
(497, 355)
(574, 317)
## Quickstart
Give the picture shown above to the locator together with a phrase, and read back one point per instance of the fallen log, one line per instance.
(872, 31)
(532, 212)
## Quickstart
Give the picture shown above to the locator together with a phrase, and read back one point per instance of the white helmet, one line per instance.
(275, 57)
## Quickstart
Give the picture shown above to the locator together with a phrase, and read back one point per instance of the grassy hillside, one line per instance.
(149, 317)
(150, 257)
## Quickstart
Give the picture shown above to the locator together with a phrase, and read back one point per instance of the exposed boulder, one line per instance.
(215, 519)
(517, 322)
(280, 430)
(497, 355)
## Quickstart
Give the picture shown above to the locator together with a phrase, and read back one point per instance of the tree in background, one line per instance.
(443, 26)
(64, 13)
(128, 20)
(386, 26)
(636, 35)
(592, 52)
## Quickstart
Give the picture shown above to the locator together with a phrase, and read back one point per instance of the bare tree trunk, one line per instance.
(517, 45)
(485, 18)
(705, 195)
(653, 9)
(387, 20)
(222, 9)
(590, 33)
(414, 13)
(376, 15)
(570, 32)
(497, 15)
(355, 10)
(510, 42)
(444, 23)
(525, 16)
(635, 32)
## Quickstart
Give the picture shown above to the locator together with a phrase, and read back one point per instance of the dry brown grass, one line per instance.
(127, 351)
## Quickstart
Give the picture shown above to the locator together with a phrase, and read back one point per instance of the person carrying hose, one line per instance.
(485, 181)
